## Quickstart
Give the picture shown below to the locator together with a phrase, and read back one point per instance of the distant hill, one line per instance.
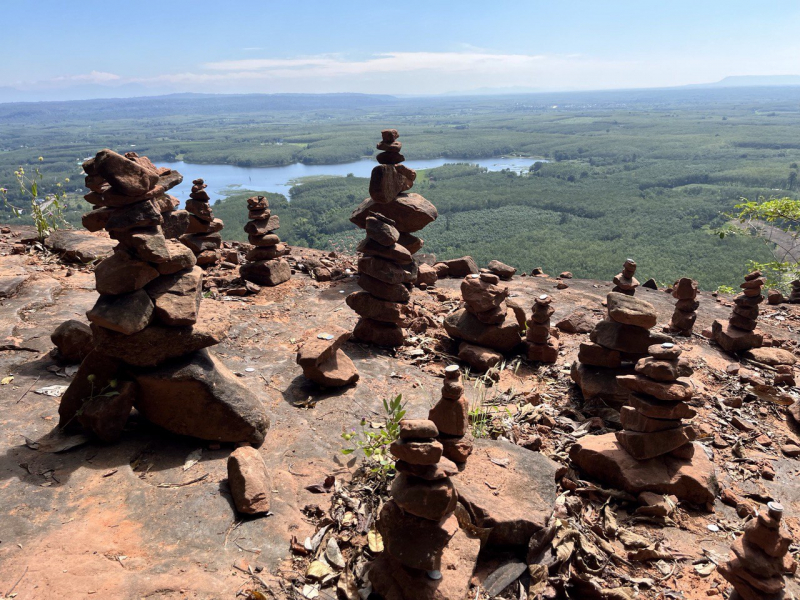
(750, 81)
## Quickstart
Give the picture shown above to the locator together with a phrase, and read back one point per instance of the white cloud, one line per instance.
(92, 77)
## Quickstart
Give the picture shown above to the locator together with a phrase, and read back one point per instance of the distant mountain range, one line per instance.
(129, 91)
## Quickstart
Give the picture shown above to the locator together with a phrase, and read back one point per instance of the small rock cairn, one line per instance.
(417, 523)
(651, 422)
(756, 566)
(265, 265)
(685, 315)
(324, 362)
(202, 236)
(542, 345)
(624, 337)
(794, 295)
(486, 326)
(451, 416)
(148, 332)
(387, 269)
(739, 334)
(625, 282)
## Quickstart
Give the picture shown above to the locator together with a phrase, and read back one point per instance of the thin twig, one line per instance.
(13, 587)
(177, 485)
(28, 390)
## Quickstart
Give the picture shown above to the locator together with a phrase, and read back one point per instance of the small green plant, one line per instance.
(45, 209)
(725, 289)
(374, 442)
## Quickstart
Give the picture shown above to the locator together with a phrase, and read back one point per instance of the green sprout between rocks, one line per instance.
(46, 209)
(374, 439)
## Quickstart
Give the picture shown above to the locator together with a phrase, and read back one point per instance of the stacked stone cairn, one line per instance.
(417, 524)
(625, 282)
(614, 345)
(685, 315)
(202, 236)
(487, 327)
(149, 334)
(387, 268)
(542, 345)
(265, 265)
(757, 561)
(739, 334)
(451, 416)
(651, 423)
(794, 295)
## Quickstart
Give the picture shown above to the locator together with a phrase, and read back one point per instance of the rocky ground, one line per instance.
(152, 517)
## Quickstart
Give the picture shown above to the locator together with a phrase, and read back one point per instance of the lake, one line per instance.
(222, 178)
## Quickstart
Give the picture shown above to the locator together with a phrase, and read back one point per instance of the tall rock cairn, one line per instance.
(625, 282)
(652, 422)
(417, 523)
(542, 345)
(265, 265)
(451, 416)
(202, 235)
(685, 315)
(386, 268)
(622, 338)
(486, 326)
(756, 566)
(146, 326)
(739, 334)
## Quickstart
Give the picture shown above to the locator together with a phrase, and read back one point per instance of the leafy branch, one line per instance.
(46, 209)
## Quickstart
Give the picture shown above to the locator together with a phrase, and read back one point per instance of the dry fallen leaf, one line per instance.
(375, 541)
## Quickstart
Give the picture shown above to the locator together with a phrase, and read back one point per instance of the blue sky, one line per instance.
(133, 48)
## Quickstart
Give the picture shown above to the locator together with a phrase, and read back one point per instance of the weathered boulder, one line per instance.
(126, 313)
(478, 357)
(461, 267)
(120, 273)
(502, 270)
(410, 212)
(324, 362)
(266, 272)
(73, 340)
(197, 395)
(629, 310)
(79, 247)
(128, 177)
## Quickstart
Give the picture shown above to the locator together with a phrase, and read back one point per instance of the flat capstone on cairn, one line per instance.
(654, 452)
(202, 236)
(149, 333)
(759, 558)
(740, 333)
(264, 264)
(625, 282)
(486, 326)
(685, 314)
(615, 344)
(542, 344)
(426, 553)
(387, 268)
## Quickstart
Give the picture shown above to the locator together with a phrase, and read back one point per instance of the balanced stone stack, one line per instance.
(542, 345)
(148, 331)
(387, 268)
(794, 295)
(324, 362)
(202, 236)
(486, 326)
(265, 265)
(757, 562)
(739, 333)
(685, 315)
(106, 198)
(421, 535)
(625, 282)
(616, 342)
(451, 416)
(651, 422)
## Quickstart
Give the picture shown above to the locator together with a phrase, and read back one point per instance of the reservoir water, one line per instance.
(226, 178)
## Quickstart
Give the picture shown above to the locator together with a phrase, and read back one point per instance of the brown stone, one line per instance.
(500, 269)
(596, 355)
(133, 216)
(96, 220)
(465, 326)
(430, 500)
(376, 309)
(417, 452)
(93, 377)
(444, 468)
(125, 313)
(633, 420)
(73, 340)
(625, 338)
(656, 409)
(415, 542)
(179, 258)
(673, 391)
(631, 311)
(385, 184)
(198, 396)
(410, 212)
(395, 253)
(732, 339)
(385, 270)
(663, 370)
(126, 176)
(393, 292)
(382, 231)
(417, 428)
(266, 272)
(649, 445)
(106, 414)
(451, 416)
(478, 357)
(249, 481)
(456, 448)
(378, 333)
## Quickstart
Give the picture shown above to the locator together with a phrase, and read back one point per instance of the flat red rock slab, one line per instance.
(600, 457)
